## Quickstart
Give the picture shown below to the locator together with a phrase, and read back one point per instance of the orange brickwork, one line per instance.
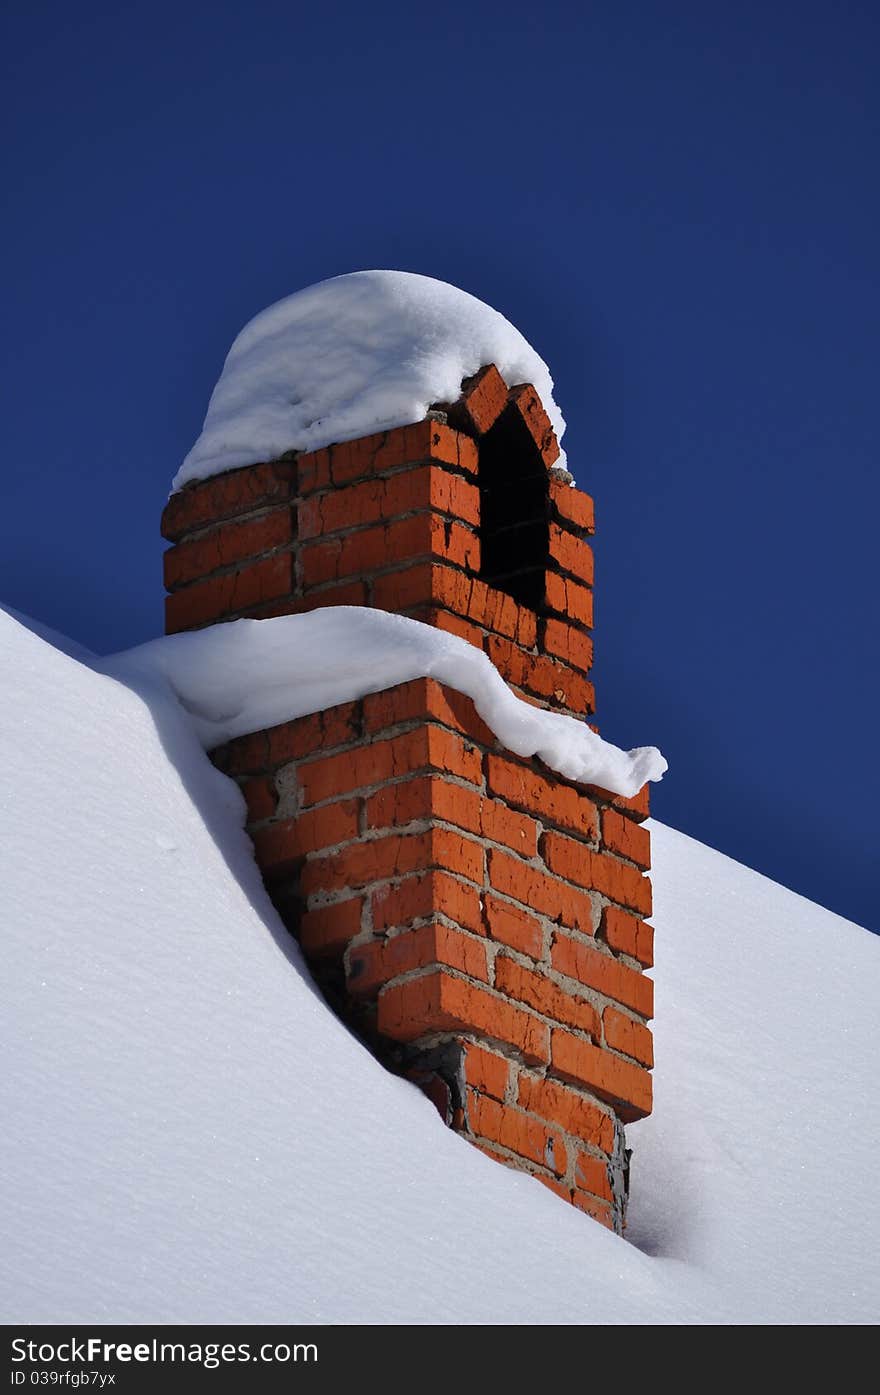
(480, 919)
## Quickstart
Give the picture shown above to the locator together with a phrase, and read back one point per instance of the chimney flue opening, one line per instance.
(514, 506)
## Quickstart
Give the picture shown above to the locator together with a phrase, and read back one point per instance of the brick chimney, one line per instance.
(479, 919)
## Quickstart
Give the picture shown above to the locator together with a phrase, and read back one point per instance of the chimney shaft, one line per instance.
(478, 918)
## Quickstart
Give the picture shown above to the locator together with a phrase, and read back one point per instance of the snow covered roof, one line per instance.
(350, 356)
(196, 1138)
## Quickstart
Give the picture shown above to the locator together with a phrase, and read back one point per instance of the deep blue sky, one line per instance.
(677, 203)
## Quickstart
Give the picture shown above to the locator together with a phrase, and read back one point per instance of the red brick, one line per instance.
(329, 929)
(386, 450)
(573, 506)
(229, 593)
(501, 825)
(280, 847)
(568, 598)
(604, 973)
(229, 495)
(551, 798)
(420, 585)
(511, 926)
(599, 1210)
(378, 962)
(261, 798)
(621, 883)
(244, 756)
(535, 890)
(624, 836)
(545, 997)
(394, 856)
(226, 545)
(436, 1002)
(569, 857)
(450, 624)
(571, 645)
(318, 732)
(484, 1070)
(571, 554)
(495, 610)
(289, 741)
(432, 797)
(636, 807)
(510, 1129)
(424, 700)
(541, 675)
(416, 701)
(423, 535)
(625, 1086)
(597, 872)
(634, 1039)
(427, 894)
(627, 934)
(483, 399)
(426, 747)
(374, 500)
(429, 584)
(567, 1109)
(530, 407)
(407, 801)
(313, 470)
(591, 1174)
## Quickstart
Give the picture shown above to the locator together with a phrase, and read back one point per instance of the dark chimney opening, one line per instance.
(514, 510)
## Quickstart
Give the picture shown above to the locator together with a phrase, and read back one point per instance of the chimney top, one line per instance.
(352, 356)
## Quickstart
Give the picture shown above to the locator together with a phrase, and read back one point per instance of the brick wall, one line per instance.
(478, 918)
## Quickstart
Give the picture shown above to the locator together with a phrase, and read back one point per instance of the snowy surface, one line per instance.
(190, 1135)
(250, 674)
(350, 356)
(758, 1163)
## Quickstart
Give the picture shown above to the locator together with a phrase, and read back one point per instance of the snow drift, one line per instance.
(192, 1136)
(241, 677)
(353, 355)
